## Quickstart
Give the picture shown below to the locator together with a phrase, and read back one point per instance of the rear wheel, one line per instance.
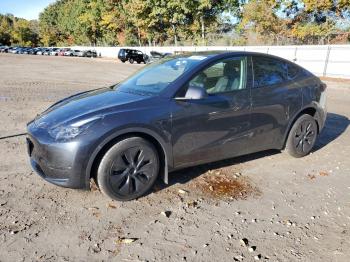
(131, 61)
(302, 136)
(129, 169)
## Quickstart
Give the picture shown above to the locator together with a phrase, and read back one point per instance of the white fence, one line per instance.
(322, 60)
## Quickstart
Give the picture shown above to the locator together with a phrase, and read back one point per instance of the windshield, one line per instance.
(154, 78)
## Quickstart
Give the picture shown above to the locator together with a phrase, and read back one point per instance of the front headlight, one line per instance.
(64, 133)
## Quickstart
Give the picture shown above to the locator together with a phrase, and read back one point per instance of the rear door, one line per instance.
(275, 98)
(218, 126)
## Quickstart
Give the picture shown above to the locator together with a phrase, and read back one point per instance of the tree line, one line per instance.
(18, 31)
(182, 22)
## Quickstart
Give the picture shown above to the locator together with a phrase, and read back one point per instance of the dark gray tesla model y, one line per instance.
(178, 112)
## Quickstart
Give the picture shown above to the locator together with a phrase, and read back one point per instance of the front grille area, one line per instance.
(30, 147)
(38, 169)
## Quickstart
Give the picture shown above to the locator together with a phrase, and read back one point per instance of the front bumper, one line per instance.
(62, 164)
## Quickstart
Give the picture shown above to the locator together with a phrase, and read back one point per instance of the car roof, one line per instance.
(222, 54)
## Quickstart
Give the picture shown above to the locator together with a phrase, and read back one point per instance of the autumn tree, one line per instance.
(312, 21)
(260, 17)
(142, 22)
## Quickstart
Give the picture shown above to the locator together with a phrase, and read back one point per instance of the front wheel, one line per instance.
(302, 136)
(129, 169)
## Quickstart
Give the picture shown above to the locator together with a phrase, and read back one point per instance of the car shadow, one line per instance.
(335, 126)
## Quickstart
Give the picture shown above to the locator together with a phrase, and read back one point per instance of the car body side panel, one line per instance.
(314, 96)
(214, 128)
(165, 145)
(272, 107)
(77, 155)
(189, 133)
(210, 129)
(153, 121)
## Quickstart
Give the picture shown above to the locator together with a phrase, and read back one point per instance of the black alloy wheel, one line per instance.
(302, 136)
(128, 169)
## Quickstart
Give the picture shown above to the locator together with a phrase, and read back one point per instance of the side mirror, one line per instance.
(194, 92)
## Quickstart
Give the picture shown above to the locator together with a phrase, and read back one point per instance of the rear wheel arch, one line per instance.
(302, 136)
(112, 140)
(308, 110)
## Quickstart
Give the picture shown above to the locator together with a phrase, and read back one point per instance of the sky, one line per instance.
(28, 9)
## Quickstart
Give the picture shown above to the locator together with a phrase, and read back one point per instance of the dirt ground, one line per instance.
(266, 206)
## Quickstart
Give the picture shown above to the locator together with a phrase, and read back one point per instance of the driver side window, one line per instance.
(224, 76)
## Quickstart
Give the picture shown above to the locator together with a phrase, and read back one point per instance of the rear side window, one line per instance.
(268, 71)
(292, 71)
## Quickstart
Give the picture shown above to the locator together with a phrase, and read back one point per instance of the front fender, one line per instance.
(165, 145)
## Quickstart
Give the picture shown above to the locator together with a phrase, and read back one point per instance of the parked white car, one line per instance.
(54, 51)
(72, 52)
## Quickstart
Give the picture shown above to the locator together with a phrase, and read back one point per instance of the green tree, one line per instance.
(6, 27)
(23, 33)
(48, 24)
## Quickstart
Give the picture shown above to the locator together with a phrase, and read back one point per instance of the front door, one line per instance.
(218, 126)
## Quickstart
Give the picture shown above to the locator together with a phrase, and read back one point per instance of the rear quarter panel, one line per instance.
(314, 96)
(272, 111)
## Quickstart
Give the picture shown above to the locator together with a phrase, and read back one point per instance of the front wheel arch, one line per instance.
(109, 142)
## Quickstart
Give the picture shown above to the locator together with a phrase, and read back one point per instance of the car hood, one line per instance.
(87, 104)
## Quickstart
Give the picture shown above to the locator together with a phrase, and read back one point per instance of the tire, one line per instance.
(139, 62)
(131, 61)
(302, 136)
(129, 169)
